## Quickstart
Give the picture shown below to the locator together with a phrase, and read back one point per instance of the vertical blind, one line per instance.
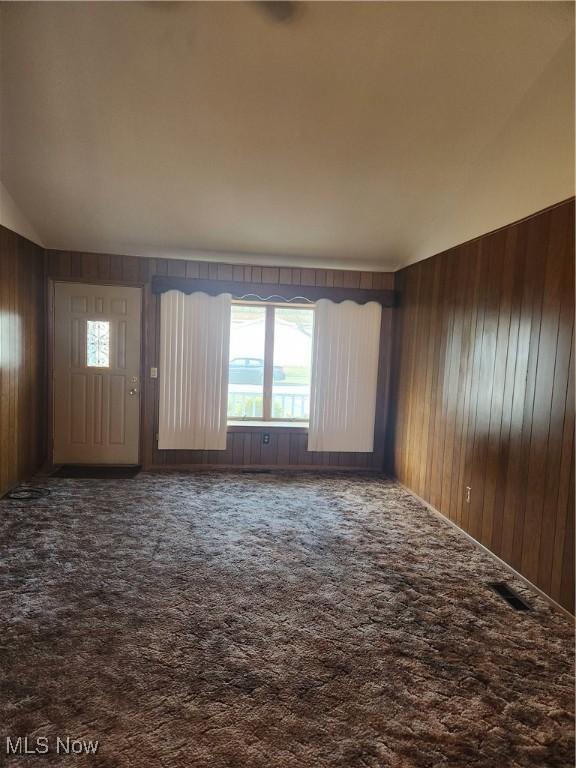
(194, 351)
(344, 376)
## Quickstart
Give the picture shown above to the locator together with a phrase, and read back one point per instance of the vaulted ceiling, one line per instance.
(361, 134)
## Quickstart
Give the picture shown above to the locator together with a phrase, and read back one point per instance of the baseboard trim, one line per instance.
(513, 571)
(271, 467)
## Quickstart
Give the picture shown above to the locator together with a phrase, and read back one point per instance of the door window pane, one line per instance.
(98, 343)
(246, 368)
(293, 331)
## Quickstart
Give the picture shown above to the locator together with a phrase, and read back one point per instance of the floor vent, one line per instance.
(509, 595)
(256, 471)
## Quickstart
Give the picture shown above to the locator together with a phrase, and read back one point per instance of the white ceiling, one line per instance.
(365, 135)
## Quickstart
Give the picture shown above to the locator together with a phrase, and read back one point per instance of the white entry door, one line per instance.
(96, 374)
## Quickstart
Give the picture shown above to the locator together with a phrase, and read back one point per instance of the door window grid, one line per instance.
(98, 343)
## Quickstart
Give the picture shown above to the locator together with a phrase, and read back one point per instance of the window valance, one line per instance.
(271, 291)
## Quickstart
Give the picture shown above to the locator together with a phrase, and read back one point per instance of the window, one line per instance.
(246, 369)
(98, 344)
(270, 361)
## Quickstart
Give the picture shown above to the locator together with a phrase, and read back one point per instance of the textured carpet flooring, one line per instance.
(269, 621)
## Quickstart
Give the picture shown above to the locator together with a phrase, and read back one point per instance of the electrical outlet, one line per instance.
(266, 438)
(467, 492)
(153, 373)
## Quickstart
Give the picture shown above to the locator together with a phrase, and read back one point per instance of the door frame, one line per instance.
(50, 341)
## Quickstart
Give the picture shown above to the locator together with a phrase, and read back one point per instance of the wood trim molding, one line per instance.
(271, 291)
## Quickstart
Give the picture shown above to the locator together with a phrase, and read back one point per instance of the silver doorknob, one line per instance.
(133, 391)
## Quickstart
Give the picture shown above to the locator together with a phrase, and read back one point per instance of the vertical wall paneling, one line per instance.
(22, 377)
(483, 392)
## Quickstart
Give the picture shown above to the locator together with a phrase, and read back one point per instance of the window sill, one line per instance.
(267, 426)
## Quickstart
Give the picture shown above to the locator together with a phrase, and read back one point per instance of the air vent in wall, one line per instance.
(509, 595)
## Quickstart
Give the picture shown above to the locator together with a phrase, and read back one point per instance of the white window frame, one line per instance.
(267, 392)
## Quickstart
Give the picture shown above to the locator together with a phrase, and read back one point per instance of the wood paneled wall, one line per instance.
(22, 380)
(287, 447)
(484, 392)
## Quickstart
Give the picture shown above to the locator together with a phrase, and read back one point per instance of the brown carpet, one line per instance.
(269, 621)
